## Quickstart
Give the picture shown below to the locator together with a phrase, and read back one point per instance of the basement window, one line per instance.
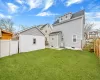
(34, 41)
(74, 38)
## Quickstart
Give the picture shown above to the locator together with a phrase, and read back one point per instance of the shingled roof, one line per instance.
(77, 14)
(74, 15)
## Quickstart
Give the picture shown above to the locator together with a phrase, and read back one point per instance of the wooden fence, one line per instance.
(97, 47)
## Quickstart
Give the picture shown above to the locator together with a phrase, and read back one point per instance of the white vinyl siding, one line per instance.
(26, 43)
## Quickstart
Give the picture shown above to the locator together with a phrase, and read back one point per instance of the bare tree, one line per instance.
(88, 27)
(23, 27)
(7, 24)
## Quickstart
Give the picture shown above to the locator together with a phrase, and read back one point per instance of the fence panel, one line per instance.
(13, 47)
(8, 47)
(97, 47)
(4, 48)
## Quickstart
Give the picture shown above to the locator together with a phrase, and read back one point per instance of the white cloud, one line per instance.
(20, 1)
(93, 14)
(93, 17)
(96, 24)
(12, 8)
(5, 16)
(46, 14)
(34, 3)
(45, 4)
(93, 6)
(70, 2)
(48, 4)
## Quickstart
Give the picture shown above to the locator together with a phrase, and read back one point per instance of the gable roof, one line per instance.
(30, 29)
(77, 14)
(43, 26)
(74, 15)
(4, 31)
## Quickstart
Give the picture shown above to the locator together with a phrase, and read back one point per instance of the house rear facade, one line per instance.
(68, 31)
(46, 29)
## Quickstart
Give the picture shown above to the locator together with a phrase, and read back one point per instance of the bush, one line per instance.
(89, 46)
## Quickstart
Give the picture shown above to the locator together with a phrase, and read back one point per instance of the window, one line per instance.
(46, 31)
(34, 41)
(62, 39)
(74, 38)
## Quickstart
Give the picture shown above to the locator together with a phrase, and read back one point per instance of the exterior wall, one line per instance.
(6, 36)
(48, 29)
(26, 43)
(54, 41)
(8, 47)
(57, 40)
(74, 27)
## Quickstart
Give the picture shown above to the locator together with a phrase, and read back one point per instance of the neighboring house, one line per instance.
(5, 35)
(93, 35)
(68, 31)
(46, 29)
(31, 39)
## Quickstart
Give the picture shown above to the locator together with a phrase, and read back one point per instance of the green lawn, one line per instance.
(50, 64)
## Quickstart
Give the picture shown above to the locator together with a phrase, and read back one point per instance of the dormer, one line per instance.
(65, 17)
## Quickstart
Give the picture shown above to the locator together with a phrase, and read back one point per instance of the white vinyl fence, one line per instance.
(8, 47)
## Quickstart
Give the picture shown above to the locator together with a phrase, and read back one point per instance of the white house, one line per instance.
(46, 29)
(68, 31)
(31, 39)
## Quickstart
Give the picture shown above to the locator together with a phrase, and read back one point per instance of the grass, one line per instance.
(50, 64)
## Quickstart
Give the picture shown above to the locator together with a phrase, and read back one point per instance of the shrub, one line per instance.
(89, 46)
